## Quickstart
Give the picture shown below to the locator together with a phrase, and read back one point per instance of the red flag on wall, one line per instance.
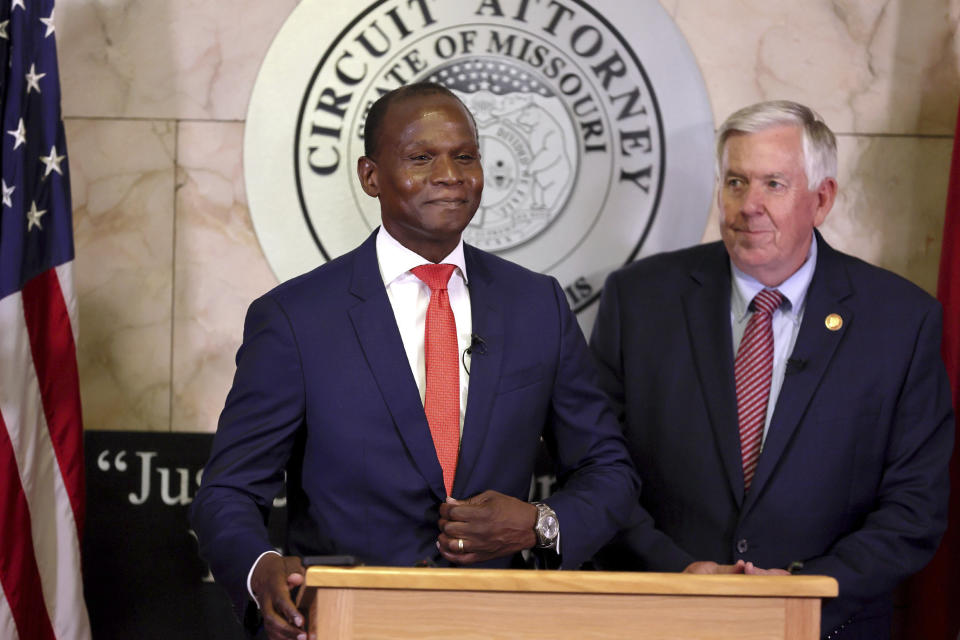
(933, 595)
(947, 560)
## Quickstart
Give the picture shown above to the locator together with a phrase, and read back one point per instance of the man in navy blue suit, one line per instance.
(815, 441)
(331, 386)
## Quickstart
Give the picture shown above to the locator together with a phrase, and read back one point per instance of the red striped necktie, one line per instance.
(442, 397)
(752, 372)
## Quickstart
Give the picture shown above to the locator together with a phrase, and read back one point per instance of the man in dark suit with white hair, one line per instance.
(785, 404)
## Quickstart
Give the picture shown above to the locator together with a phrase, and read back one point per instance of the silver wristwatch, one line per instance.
(547, 527)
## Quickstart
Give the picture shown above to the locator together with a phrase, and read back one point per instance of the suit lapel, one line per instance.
(707, 311)
(377, 332)
(487, 322)
(814, 348)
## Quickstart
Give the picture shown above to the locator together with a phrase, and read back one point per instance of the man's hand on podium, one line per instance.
(273, 578)
(751, 570)
(488, 525)
(709, 567)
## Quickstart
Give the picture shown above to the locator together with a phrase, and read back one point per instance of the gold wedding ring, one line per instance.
(460, 545)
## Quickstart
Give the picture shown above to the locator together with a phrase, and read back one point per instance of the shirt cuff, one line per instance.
(250, 575)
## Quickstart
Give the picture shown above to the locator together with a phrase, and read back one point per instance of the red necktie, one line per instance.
(752, 371)
(442, 398)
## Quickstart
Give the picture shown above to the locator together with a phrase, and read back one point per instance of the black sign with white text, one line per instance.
(142, 576)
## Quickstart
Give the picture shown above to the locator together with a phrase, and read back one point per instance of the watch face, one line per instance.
(549, 527)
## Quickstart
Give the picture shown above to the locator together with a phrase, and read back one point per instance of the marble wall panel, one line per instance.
(891, 204)
(890, 207)
(163, 58)
(122, 185)
(878, 67)
(155, 92)
(220, 269)
(871, 67)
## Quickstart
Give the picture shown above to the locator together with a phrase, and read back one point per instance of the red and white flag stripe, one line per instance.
(41, 462)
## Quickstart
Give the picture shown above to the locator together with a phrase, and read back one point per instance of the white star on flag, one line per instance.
(49, 23)
(52, 162)
(33, 217)
(19, 134)
(3, 29)
(7, 192)
(17, 3)
(33, 79)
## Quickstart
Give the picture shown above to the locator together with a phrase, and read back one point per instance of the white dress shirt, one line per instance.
(786, 319)
(410, 296)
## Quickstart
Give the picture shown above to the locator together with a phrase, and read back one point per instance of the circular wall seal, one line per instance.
(595, 130)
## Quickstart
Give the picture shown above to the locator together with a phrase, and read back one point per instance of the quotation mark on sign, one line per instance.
(119, 463)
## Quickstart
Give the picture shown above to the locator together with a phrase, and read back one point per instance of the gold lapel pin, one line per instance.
(833, 322)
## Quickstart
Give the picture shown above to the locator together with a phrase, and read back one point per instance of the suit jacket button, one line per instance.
(742, 546)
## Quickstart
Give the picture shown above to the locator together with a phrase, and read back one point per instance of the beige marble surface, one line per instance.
(868, 67)
(122, 183)
(890, 210)
(155, 93)
(219, 269)
(179, 59)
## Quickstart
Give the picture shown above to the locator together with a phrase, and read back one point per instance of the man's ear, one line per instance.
(367, 173)
(826, 195)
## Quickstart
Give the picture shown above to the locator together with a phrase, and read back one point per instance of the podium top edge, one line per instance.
(607, 582)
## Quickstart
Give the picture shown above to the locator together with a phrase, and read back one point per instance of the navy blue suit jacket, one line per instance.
(852, 480)
(323, 390)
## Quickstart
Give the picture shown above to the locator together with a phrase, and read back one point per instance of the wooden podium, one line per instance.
(468, 604)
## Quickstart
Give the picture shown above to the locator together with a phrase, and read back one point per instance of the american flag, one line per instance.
(41, 433)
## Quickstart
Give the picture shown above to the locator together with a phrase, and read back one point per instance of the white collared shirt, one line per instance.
(786, 319)
(410, 296)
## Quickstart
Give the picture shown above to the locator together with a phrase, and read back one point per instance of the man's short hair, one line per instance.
(374, 123)
(819, 143)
